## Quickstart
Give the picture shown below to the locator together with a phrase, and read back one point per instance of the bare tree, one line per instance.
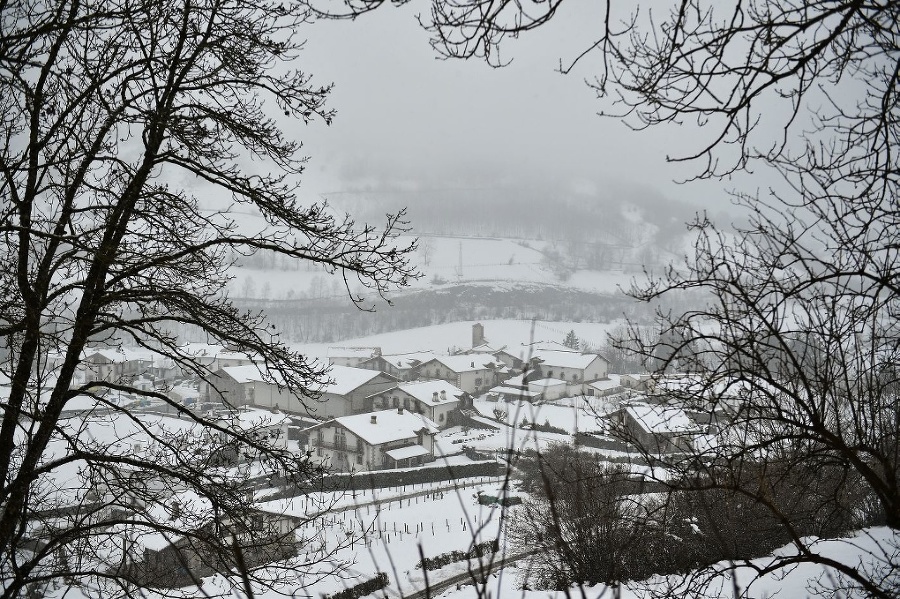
(794, 349)
(426, 250)
(594, 522)
(106, 105)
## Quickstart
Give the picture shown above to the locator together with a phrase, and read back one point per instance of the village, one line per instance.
(388, 429)
(386, 411)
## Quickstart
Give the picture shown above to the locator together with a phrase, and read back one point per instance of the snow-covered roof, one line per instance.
(410, 451)
(504, 390)
(409, 360)
(566, 359)
(121, 354)
(467, 363)
(657, 419)
(250, 373)
(605, 384)
(212, 350)
(484, 348)
(389, 425)
(346, 379)
(193, 511)
(680, 382)
(247, 419)
(516, 381)
(88, 403)
(353, 352)
(425, 391)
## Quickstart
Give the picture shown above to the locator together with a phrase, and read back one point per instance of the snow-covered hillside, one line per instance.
(443, 261)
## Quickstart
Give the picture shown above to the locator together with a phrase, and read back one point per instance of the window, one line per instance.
(575, 377)
(549, 374)
(359, 458)
(478, 382)
(441, 417)
(395, 401)
(406, 402)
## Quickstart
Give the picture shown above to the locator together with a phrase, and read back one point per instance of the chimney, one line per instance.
(374, 419)
(443, 395)
(434, 396)
(477, 334)
(399, 409)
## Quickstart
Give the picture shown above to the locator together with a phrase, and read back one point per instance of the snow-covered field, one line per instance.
(441, 260)
(513, 334)
(393, 534)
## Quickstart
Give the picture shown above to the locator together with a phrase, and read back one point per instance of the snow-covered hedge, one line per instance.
(450, 557)
(362, 589)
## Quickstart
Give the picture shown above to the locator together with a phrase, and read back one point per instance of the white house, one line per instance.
(252, 385)
(475, 373)
(604, 387)
(655, 428)
(349, 392)
(352, 356)
(395, 438)
(344, 394)
(575, 368)
(213, 357)
(403, 366)
(549, 388)
(258, 425)
(436, 399)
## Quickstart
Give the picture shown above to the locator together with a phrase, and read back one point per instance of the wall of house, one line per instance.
(598, 369)
(328, 405)
(550, 392)
(99, 368)
(342, 451)
(440, 414)
(573, 375)
(266, 395)
(354, 453)
(223, 389)
(476, 382)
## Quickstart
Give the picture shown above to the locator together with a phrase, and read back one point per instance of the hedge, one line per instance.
(362, 589)
(379, 479)
(546, 428)
(589, 440)
(439, 561)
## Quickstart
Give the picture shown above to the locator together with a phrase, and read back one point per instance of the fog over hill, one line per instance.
(553, 252)
(540, 208)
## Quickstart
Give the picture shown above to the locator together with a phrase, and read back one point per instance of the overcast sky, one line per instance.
(406, 118)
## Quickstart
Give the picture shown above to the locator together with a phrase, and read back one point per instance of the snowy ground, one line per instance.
(873, 548)
(447, 260)
(512, 334)
(389, 530)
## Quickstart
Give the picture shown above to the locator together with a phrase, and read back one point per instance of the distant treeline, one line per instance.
(333, 320)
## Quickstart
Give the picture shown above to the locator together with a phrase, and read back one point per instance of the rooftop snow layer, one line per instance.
(662, 419)
(389, 426)
(424, 391)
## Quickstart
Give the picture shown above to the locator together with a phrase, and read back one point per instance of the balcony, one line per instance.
(338, 446)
